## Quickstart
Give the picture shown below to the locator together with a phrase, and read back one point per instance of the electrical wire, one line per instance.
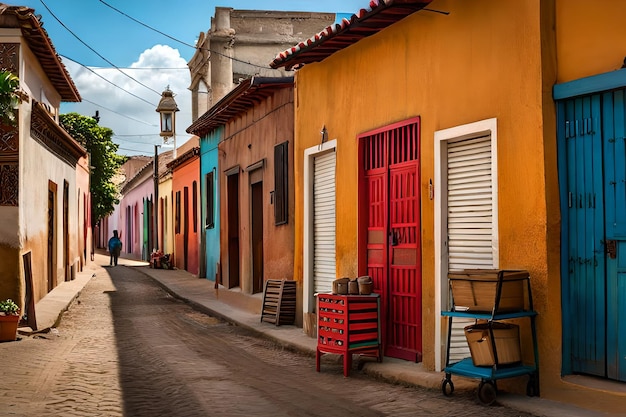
(182, 42)
(94, 51)
(110, 82)
(120, 114)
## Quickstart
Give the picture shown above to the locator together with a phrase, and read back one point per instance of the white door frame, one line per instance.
(487, 126)
(308, 296)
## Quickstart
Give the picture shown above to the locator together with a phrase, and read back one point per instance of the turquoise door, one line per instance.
(592, 168)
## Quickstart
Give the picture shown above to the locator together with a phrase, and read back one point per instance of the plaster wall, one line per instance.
(135, 200)
(35, 82)
(166, 234)
(109, 224)
(209, 163)
(248, 139)
(481, 61)
(587, 35)
(39, 167)
(183, 177)
(83, 198)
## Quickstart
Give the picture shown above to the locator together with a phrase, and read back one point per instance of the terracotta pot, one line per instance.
(8, 328)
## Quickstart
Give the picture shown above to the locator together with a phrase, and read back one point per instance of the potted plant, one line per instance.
(9, 319)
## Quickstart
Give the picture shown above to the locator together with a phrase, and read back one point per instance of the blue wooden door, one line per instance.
(614, 138)
(593, 183)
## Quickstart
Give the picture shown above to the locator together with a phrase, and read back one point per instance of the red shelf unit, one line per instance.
(347, 325)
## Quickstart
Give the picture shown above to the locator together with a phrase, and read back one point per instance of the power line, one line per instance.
(110, 82)
(94, 51)
(119, 114)
(179, 41)
(146, 68)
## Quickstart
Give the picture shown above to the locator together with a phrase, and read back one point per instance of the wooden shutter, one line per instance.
(324, 271)
(210, 201)
(281, 182)
(194, 199)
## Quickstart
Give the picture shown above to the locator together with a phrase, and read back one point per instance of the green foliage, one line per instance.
(9, 100)
(105, 161)
(8, 307)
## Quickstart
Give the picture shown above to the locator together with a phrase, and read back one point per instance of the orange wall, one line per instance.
(184, 176)
(481, 61)
(590, 37)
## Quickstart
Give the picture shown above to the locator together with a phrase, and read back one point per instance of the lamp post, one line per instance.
(167, 109)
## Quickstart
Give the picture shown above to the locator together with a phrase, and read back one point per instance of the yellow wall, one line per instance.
(483, 60)
(590, 37)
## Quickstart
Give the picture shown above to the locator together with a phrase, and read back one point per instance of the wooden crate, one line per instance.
(481, 337)
(347, 325)
(488, 290)
(279, 302)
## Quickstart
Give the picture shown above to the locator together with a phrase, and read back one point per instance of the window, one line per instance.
(177, 213)
(209, 222)
(281, 182)
(194, 200)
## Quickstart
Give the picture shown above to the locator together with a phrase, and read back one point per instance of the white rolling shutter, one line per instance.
(470, 218)
(324, 222)
(470, 204)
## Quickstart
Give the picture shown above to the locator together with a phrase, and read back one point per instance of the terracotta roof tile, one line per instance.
(366, 22)
(38, 41)
(244, 96)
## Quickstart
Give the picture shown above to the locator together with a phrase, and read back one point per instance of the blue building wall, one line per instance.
(209, 163)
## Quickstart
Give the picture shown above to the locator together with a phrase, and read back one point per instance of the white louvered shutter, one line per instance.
(470, 218)
(324, 222)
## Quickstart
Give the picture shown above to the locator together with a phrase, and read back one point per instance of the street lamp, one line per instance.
(167, 109)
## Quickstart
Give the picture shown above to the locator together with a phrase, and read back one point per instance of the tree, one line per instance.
(104, 161)
(9, 99)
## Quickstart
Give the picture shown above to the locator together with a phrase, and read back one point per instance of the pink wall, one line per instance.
(134, 199)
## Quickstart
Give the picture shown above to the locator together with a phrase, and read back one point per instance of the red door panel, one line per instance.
(404, 338)
(390, 191)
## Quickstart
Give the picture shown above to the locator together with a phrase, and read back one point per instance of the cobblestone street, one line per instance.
(127, 348)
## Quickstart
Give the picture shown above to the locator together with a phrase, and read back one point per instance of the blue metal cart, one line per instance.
(488, 375)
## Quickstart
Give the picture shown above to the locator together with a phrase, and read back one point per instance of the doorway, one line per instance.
(592, 176)
(390, 213)
(52, 247)
(256, 210)
(232, 189)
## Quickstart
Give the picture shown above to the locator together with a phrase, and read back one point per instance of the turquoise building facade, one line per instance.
(210, 204)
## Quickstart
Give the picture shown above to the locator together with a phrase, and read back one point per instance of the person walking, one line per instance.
(115, 247)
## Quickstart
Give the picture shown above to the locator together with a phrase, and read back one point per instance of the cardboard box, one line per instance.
(477, 289)
(507, 343)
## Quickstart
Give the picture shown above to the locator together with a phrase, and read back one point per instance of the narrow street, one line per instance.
(127, 348)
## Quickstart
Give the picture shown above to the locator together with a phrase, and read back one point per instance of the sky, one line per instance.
(120, 66)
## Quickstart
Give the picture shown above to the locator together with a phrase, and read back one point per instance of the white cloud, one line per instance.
(135, 122)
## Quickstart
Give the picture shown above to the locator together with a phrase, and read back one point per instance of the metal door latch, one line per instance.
(611, 248)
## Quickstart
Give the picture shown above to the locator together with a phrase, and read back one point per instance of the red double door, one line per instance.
(390, 226)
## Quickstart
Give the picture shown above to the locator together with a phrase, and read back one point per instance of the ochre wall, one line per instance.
(481, 61)
(590, 37)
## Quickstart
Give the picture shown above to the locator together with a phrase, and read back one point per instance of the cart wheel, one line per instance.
(487, 392)
(447, 387)
(532, 390)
